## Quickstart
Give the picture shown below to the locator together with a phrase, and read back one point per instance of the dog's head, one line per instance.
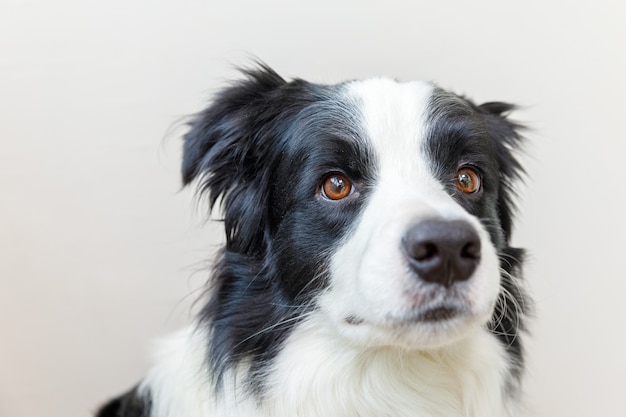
(380, 206)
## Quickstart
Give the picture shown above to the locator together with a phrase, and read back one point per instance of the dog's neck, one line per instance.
(316, 374)
(319, 376)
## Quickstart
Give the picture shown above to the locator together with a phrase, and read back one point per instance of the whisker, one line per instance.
(513, 309)
(282, 322)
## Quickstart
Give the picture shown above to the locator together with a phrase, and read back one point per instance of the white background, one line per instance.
(101, 252)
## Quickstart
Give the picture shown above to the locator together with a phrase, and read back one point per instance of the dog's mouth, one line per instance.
(429, 326)
(430, 315)
(437, 314)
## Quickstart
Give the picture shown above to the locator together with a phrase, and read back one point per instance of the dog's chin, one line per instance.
(429, 328)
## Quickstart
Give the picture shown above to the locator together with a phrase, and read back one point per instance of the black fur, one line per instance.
(131, 404)
(257, 147)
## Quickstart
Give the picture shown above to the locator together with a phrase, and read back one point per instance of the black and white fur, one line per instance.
(314, 308)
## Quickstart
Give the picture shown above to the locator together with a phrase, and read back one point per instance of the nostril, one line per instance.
(424, 251)
(471, 250)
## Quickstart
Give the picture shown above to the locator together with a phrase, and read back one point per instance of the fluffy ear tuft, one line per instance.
(508, 139)
(497, 108)
(226, 119)
(223, 150)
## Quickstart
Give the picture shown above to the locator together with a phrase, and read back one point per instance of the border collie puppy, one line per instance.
(367, 270)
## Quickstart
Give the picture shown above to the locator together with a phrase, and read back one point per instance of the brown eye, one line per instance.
(467, 180)
(336, 187)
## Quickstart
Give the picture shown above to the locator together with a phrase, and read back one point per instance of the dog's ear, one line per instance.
(508, 139)
(226, 150)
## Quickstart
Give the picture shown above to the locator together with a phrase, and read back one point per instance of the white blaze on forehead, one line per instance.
(394, 118)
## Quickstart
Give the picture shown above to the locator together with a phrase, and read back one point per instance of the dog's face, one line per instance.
(379, 206)
(417, 266)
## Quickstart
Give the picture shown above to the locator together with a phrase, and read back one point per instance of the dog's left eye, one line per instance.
(336, 186)
(467, 180)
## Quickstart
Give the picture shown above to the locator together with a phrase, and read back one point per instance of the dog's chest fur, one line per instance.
(314, 378)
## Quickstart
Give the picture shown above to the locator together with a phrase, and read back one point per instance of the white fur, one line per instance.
(383, 366)
(179, 384)
(318, 374)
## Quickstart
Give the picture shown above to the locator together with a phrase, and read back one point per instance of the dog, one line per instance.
(367, 269)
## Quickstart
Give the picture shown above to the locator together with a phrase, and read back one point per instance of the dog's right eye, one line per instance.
(336, 187)
(468, 180)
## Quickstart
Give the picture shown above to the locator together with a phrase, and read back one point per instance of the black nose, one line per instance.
(442, 252)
